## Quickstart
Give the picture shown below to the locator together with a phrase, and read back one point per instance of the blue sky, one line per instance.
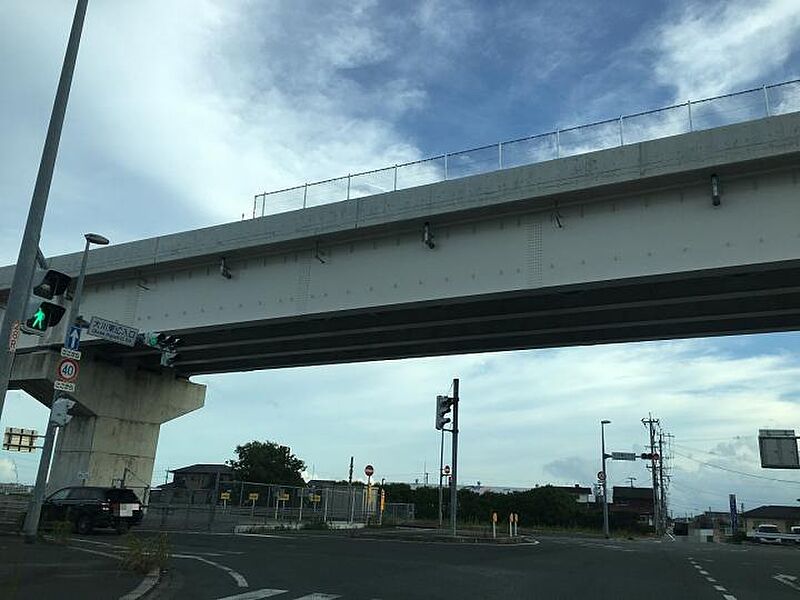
(181, 111)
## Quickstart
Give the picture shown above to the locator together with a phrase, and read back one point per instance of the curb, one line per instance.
(147, 584)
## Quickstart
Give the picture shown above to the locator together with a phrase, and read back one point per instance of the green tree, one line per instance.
(267, 462)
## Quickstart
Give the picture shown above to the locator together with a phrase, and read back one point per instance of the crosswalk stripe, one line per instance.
(255, 595)
(318, 596)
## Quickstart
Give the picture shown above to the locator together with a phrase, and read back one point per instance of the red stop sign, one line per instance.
(369, 470)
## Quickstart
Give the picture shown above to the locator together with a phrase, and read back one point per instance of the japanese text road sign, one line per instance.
(113, 332)
(13, 337)
(623, 456)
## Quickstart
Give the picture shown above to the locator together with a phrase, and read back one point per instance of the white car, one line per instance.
(767, 534)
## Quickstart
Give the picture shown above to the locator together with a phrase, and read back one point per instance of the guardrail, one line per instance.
(737, 107)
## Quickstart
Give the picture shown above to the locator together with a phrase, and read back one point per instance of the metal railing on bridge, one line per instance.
(693, 115)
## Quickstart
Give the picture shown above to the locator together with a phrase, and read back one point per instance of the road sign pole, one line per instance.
(29, 248)
(454, 480)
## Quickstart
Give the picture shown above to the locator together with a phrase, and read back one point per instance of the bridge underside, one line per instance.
(750, 299)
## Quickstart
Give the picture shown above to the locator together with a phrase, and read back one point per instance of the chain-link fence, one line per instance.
(243, 503)
(765, 101)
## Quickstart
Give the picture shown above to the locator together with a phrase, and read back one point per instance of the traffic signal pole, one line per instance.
(29, 248)
(454, 480)
(31, 525)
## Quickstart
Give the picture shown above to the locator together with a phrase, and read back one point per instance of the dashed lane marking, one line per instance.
(255, 594)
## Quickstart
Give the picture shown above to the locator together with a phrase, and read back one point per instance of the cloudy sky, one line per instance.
(181, 111)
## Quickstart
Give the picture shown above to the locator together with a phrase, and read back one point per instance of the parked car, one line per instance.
(767, 534)
(88, 508)
(796, 531)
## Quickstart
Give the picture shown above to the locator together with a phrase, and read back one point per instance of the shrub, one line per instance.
(142, 555)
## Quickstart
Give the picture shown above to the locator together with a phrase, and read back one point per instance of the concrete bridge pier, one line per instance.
(115, 433)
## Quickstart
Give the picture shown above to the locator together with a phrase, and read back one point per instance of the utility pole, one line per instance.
(650, 423)
(454, 480)
(29, 248)
(662, 495)
(350, 475)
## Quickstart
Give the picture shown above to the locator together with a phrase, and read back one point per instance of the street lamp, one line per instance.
(32, 518)
(603, 424)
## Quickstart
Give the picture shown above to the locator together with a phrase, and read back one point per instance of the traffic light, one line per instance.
(42, 314)
(167, 344)
(59, 413)
(444, 405)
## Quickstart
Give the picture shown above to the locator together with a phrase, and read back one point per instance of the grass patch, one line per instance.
(142, 555)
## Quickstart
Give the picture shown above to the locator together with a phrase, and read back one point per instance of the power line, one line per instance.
(743, 473)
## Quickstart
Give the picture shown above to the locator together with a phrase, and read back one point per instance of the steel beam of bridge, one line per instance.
(611, 246)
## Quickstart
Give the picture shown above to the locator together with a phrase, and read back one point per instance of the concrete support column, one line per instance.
(121, 410)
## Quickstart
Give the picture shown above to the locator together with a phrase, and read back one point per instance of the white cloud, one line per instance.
(8, 471)
(715, 48)
(179, 113)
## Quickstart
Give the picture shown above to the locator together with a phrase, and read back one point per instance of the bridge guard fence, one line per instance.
(697, 115)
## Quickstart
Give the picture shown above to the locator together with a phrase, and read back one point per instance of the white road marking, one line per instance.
(255, 595)
(97, 552)
(237, 577)
(318, 596)
(787, 580)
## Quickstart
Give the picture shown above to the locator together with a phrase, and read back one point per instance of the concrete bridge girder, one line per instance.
(119, 416)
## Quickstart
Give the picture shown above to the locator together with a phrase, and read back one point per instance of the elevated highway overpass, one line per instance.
(623, 244)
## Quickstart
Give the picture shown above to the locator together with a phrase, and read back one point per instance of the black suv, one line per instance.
(89, 507)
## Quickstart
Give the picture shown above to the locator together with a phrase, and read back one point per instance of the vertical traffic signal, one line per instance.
(41, 314)
(444, 405)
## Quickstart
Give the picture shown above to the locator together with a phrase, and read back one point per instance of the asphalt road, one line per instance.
(324, 567)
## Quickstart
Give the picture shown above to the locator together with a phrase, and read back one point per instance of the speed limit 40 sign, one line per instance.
(68, 370)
